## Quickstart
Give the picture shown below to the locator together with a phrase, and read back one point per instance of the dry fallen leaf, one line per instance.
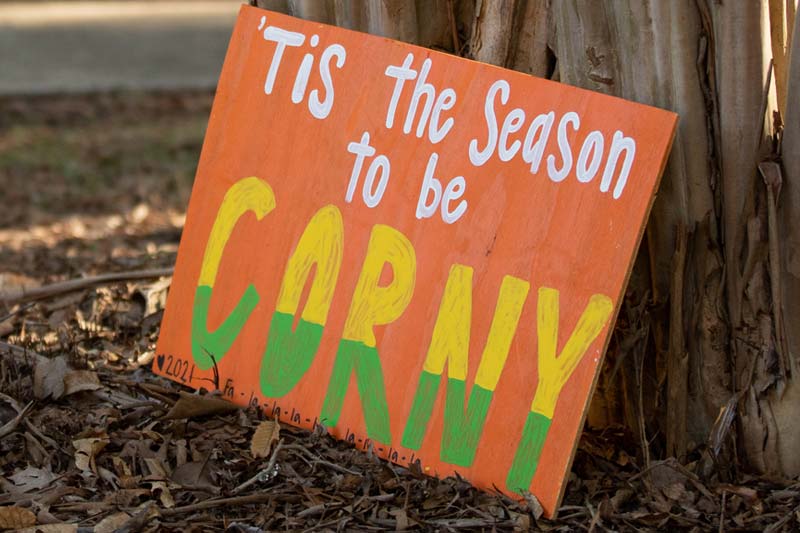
(748, 494)
(85, 452)
(401, 518)
(29, 479)
(534, 507)
(126, 478)
(620, 497)
(16, 518)
(160, 489)
(126, 497)
(111, 523)
(522, 522)
(156, 467)
(52, 378)
(181, 452)
(80, 380)
(195, 474)
(142, 515)
(48, 378)
(194, 405)
(674, 491)
(267, 433)
(155, 295)
(50, 528)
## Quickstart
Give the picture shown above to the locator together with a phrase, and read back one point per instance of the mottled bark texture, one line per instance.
(706, 346)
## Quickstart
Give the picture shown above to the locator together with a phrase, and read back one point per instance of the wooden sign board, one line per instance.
(422, 253)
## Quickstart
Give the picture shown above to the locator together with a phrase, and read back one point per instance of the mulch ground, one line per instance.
(91, 440)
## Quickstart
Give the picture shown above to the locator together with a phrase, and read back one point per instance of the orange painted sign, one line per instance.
(421, 253)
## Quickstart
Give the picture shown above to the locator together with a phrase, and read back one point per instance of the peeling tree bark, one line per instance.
(745, 99)
(491, 32)
(395, 19)
(316, 10)
(529, 48)
(785, 408)
(656, 52)
(434, 23)
(677, 361)
(781, 18)
(351, 15)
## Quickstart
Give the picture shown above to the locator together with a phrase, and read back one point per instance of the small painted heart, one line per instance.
(160, 361)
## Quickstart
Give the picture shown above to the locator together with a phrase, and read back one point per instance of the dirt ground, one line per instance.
(91, 440)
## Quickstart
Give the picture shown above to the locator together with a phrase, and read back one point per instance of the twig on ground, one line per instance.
(782, 521)
(157, 392)
(16, 296)
(16, 311)
(316, 460)
(264, 474)
(210, 504)
(12, 424)
(50, 442)
(336, 467)
(19, 351)
(140, 519)
(595, 514)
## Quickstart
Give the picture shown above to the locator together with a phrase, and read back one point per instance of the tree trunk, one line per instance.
(709, 332)
(785, 407)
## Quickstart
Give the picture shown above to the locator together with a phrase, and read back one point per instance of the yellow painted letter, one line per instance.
(463, 419)
(555, 371)
(372, 305)
(290, 351)
(248, 194)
